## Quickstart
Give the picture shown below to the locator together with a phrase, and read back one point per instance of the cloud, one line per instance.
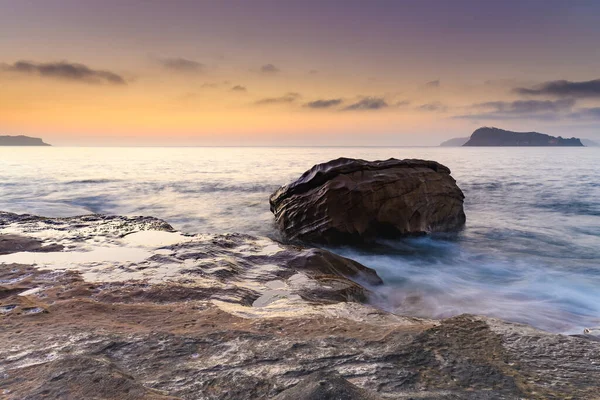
(187, 97)
(586, 113)
(209, 85)
(269, 69)
(66, 71)
(239, 88)
(368, 103)
(537, 109)
(433, 107)
(504, 82)
(564, 89)
(313, 72)
(287, 98)
(403, 103)
(435, 83)
(528, 106)
(323, 103)
(182, 65)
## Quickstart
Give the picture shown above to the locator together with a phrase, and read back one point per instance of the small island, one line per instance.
(21, 141)
(487, 136)
(455, 142)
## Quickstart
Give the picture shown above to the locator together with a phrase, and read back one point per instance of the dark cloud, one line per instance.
(564, 89)
(287, 98)
(182, 65)
(537, 109)
(313, 72)
(67, 71)
(433, 107)
(501, 82)
(586, 113)
(527, 106)
(323, 103)
(403, 103)
(435, 83)
(269, 69)
(368, 103)
(239, 88)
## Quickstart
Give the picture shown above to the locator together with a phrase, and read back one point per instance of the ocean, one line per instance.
(530, 251)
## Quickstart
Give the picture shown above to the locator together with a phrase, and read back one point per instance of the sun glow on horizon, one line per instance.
(283, 74)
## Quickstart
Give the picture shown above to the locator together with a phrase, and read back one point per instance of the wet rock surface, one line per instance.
(348, 200)
(16, 243)
(237, 317)
(323, 386)
(592, 333)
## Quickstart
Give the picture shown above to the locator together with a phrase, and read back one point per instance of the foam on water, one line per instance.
(530, 251)
(72, 259)
(155, 238)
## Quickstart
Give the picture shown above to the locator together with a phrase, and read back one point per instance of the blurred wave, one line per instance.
(530, 251)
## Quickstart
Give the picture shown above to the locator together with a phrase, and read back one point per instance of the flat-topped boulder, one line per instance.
(350, 200)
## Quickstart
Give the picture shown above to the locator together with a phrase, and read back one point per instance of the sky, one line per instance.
(291, 72)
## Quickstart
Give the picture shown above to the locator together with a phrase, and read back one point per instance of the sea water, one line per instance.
(530, 251)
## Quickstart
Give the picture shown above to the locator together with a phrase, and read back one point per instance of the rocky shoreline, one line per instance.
(128, 308)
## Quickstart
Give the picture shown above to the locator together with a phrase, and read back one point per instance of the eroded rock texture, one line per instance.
(236, 317)
(348, 200)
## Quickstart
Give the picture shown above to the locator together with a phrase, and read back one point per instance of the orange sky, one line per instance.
(294, 73)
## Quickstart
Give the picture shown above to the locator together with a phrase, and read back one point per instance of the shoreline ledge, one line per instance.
(126, 307)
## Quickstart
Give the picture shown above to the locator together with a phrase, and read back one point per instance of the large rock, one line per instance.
(355, 200)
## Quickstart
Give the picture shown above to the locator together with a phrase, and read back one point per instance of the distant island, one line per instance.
(455, 142)
(21, 141)
(499, 137)
(487, 136)
(589, 143)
